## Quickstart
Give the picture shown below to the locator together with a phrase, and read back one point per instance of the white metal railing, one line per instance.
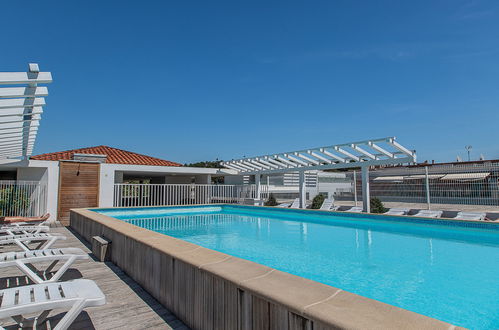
(476, 184)
(23, 198)
(182, 194)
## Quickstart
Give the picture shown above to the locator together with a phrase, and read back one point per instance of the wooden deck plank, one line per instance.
(128, 305)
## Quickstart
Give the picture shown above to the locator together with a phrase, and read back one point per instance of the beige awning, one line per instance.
(422, 176)
(389, 178)
(466, 176)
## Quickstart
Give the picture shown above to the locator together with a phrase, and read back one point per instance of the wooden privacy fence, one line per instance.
(183, 194)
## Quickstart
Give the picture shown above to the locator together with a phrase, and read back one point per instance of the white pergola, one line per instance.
(21, 106)
(363, 154)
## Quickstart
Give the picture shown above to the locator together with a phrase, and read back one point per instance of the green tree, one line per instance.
(206, 164)
(14, 198)
(317, 201)
(377, 206)
(271, 201)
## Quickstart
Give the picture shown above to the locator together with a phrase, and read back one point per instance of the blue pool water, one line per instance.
(447, 272)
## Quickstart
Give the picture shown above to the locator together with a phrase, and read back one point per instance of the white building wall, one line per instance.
(234, 179)
(32, 174)
(47, 172)
(106, 184)
(109, 174)
(178, 179)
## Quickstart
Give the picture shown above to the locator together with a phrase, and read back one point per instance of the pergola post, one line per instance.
(366, 198)
(303, 196)
(258, 186)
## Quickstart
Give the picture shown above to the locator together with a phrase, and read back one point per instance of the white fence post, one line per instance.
(182, 194)
(366, 200)
(427, 184)
(355, 186)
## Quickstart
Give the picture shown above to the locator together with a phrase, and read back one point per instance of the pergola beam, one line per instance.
(355, 154)
(16, 78)
(381, 150)
(20, 110)
(22, 102)
(346, 153)
(324, 159)
(11, 92)
(362, 151)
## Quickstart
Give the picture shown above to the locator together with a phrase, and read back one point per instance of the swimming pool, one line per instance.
(446, 270)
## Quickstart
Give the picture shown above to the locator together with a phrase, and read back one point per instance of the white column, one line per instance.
(303, 190)
(427, 184)
(355, 186)
(258, 186)
(366, 198)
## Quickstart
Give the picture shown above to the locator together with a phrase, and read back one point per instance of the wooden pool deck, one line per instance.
(128, 305)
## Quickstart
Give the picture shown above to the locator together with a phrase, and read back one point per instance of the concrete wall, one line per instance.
(207, 289)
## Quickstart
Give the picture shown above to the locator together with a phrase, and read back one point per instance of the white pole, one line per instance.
(355, 186)
(427, 182)
(258, 187)
(366, 198)
(303, 197)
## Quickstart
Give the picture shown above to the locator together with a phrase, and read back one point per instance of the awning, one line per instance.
(389, 178)
(466, 176)
(423, 176)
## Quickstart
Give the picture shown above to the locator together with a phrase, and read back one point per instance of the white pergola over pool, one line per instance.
(21, 106)
(363, 154)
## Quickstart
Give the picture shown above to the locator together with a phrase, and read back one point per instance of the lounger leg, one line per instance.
(40, 246)
(21, 245)
(31, 274)
(71, 315)
(32, 322)
(62, 270)
(50, 242)
(51, 266)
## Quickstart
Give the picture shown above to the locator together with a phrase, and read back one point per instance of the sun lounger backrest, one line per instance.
(327, 204)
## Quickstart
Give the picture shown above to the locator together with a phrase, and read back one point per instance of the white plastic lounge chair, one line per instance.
(327, 204)
(429, 214)
(397, 211)
(12, 230)
(283, 205)
(22, 259)
(470, 216)
(42, 298)
(45, 240)
(295, 204)
(356, 209)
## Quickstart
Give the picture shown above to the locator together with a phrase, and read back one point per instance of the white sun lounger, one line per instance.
(355, 209)
(284, 205)
(22, 259)
(12, 230)
(42, 298)
(295, 204)
(327, 204)
(397, 211)
(45, 240)
(30, 223)
(429, 214)
(470, 216)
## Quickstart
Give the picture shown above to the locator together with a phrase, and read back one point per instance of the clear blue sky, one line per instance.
(197, 80)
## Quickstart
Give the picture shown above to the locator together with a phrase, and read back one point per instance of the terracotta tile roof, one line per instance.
(114, 156)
